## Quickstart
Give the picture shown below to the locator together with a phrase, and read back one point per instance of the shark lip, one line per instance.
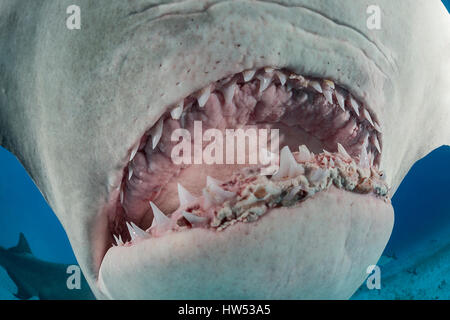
(319, 108)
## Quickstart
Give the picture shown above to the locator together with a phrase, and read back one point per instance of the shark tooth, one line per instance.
(270, 157)
(214, 194)
(288, 165)
(304, 154)
(226, 80)
(316, 86)
(296, 170)
(132, 232)
(364, 172)
(214, 186)
(327, 153)
(248, 75)
(193, 219)
(367, 116)
(282, 77)
(329, 83)
(366, 139)
(269, 70)
(139, 232)
(300, 80)
(264, 83)
(376, 143)
(177, 111)
(317, 175)
(156, 133)
(211, 181)
(203, 96)
(355, 105)
(228, 92)
(208, 200)
(159, 218)
(377, 127)
(328, 95)
(342, 151)
(284, 167)
(134, 151)
(340, 100)
(118, 241)
(363, 158)
(185, 196)
(130, 171)
(223, 195)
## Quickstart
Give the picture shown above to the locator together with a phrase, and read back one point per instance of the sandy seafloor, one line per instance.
(420, 273)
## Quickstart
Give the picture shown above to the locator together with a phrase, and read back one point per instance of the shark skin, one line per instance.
(72, 103)
(36, 278)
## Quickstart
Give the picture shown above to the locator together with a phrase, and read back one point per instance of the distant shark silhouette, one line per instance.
(38, 278)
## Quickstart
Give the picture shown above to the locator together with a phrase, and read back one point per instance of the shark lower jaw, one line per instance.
(330, 152)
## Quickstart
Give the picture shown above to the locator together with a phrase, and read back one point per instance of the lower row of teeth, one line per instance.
(249, 194)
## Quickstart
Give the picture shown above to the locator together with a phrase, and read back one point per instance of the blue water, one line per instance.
(23, 209)
(421, 204)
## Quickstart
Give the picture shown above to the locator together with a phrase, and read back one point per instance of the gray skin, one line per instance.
(73, 103)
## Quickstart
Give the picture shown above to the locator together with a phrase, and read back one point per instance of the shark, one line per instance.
(37, 278)
(358, 93)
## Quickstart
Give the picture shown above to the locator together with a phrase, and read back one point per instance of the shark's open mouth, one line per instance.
(335, 141)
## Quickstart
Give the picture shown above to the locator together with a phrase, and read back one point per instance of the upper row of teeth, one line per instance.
(265, 78)
(213, 194)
